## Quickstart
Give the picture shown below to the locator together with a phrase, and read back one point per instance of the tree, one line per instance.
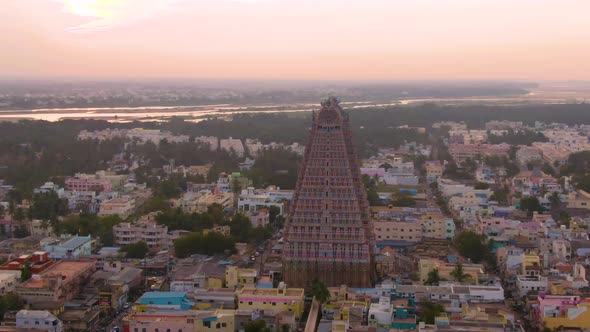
(403, 199)
(19, 214)
(555, 201)
(481, 185)
(433, 278)
(25, 271)
(501, 195)
(236, 186)
(136, 250)
(429, 311)
(548, 169)
(472, 245)
(386, 166)
(198, 243)
(459, 274)
(258, 325)
(531, 204)
(320, 291)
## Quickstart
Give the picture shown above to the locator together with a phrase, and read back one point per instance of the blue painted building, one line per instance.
(167, 300)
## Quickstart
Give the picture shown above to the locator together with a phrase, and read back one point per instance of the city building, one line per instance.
(166, 300)
(232, 145)
(49, 187)
(236, 277)
(69, 247)
(562, 311)
(121, 206)
(88, 184)
(37, 261)
(579, 200)
(259, 218)
(460, 152)
(528, 154)
(38, 320)
(271, 299)
(57, 284)
(8, 281)
(410, 231)
(434, 170)
(329, 235)
(150, 232)
(251, 200)
(211, 141)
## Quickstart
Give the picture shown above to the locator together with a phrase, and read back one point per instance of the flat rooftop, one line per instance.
(270, 291)
(67, 268)
(75, 242)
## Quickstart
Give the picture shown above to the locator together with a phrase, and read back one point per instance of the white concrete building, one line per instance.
(250, 200)
(231, 144)
(150, 232)
(8, 281)
(211, 141)
(526, 284)
(38, 320)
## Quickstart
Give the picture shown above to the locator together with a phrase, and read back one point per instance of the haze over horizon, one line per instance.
(288, 39)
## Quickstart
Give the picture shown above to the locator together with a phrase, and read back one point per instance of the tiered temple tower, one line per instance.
(328, 234)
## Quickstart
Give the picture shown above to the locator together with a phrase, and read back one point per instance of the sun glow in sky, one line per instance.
(297, 39)
(93, 8)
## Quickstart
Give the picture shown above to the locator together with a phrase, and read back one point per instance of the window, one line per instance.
(156, 330)
(36, 322)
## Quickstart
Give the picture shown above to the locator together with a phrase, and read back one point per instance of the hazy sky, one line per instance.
(301, 39)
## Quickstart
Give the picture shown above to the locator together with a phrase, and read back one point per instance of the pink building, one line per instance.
(88, 184)
(160, 321)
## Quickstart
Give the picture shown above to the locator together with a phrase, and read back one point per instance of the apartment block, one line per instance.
(121, 206)
(150, 232)
(272, 299)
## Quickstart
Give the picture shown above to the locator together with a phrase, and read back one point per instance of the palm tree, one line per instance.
(429, 310)
(555, 201)
(433, 278)
(459, 274)
(320, 291)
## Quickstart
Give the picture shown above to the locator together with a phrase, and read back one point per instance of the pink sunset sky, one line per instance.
(297, 39)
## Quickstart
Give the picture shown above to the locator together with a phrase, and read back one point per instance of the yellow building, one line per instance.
(215, 282)
(579, 200)
(219, 321)
(556, 311)
(237, 277)
(275, 299)
(530, 262)
(444, 270)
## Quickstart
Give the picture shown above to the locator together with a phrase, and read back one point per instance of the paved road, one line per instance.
(117, 320)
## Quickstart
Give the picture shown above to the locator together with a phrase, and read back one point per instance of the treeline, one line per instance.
(90, 224)
(199, 243)
(275, 166)
(32, 152)
(521, 137)
(578, 166)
